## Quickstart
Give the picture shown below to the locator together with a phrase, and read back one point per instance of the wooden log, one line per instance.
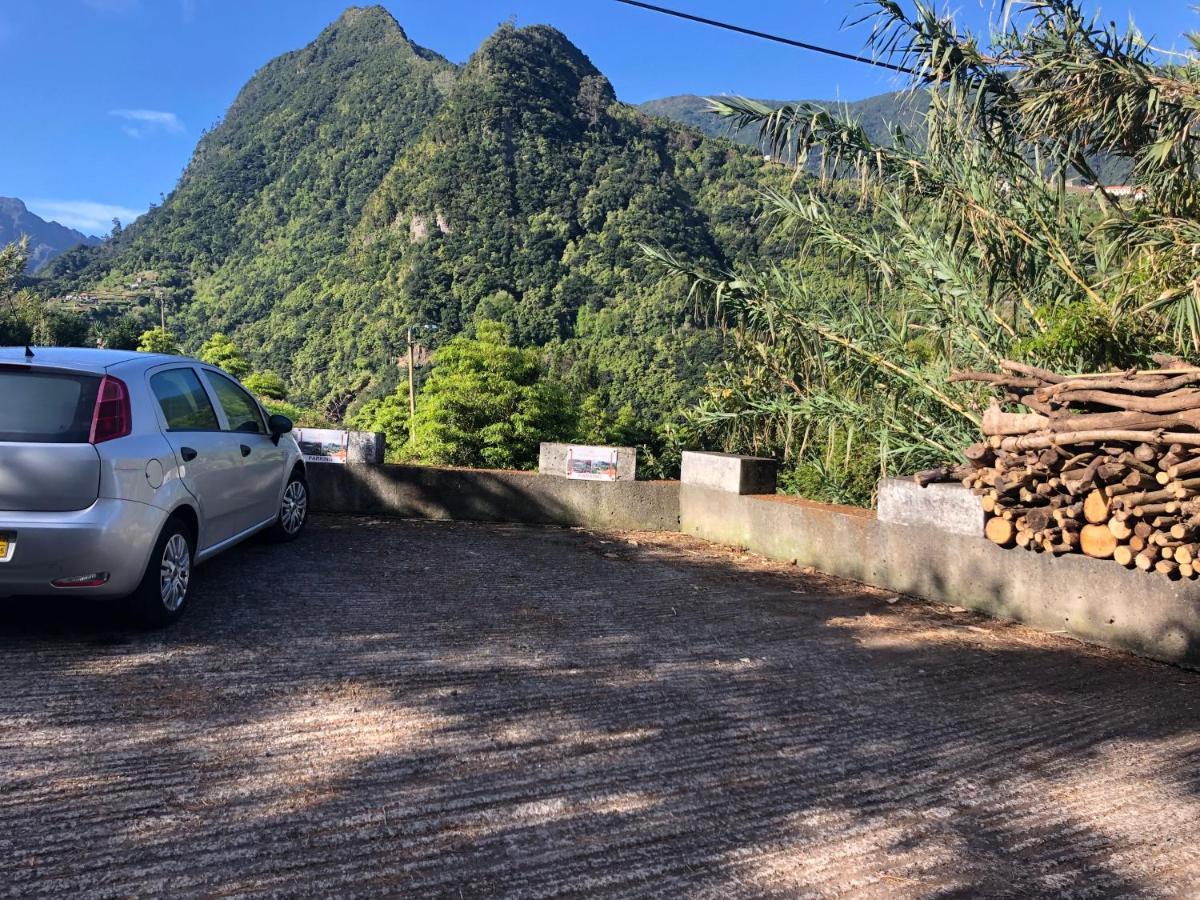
(1123, 554)
(1039, 519)
(1064, 514)
(1129, 501)
(1095, 508)
(1137, 543)
(1181, 531)
(1190, 466)
(1130, 461)
(1145, 453)
(1126, 420)
(1154, 509)
(1005, 381)
(1145, 560)
(996, 421)
(999, 531)
(1121, 528)
(1167, 567)
(1167, 361)
(1129, 382)
(1185, 487)
(1031, 371)
(1170, 402)
(1185, 553)
(1061, 439)
(980, 455)
(1097, 541)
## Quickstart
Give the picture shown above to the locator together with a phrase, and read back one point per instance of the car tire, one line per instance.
(162, 596)
(293, 511)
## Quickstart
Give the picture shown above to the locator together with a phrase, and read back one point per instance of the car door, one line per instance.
(262, 458)
(208, 457)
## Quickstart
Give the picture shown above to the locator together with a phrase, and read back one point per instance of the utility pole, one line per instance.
(412, 389)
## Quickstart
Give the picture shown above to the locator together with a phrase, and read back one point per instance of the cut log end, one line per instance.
(1097, 541)
(1000, 531)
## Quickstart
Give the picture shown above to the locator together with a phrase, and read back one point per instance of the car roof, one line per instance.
(84, 358)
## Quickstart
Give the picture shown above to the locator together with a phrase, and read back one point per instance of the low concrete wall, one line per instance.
(1093, 600)
(494, 496)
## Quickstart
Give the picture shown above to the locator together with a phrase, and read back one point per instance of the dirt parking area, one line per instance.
(412, 708)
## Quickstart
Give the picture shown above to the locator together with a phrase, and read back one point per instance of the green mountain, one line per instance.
(364, 184)
(46, 239)
(878, 115)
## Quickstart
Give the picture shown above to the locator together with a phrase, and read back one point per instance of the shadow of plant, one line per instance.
(410, 707)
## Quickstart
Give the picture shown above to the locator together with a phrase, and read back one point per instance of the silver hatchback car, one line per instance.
(119, 471)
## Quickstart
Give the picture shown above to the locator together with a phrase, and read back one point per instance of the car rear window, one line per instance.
(46, 407)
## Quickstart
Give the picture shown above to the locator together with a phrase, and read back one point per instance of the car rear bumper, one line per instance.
(113, 536)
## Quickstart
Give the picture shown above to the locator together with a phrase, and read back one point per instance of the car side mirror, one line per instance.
(279, 426)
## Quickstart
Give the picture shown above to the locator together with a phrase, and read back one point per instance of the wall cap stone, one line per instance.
(729, 472)
(946, 507)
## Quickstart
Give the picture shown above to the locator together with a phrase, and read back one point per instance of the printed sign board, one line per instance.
(592, 463)
(323, 445)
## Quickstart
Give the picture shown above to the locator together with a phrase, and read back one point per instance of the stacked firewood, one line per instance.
(1107, 465)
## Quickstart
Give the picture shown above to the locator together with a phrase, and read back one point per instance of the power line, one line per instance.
(770, 37)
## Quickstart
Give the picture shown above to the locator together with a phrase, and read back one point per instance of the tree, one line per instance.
(123, 333)
(486, 403)
(12, 265)
(958, 246)
(389, 416)
(157, 340)
(220, 350)
(266, 384)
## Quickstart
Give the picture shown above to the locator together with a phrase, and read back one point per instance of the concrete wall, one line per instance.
(494, 496)
(1093, 600)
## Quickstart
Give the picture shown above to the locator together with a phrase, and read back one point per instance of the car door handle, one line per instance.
(245, 450)
(188, 454)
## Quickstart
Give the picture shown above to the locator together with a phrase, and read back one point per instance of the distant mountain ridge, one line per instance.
(46, 239)
(878, 115)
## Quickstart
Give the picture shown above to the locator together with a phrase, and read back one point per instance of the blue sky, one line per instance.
(104, 99)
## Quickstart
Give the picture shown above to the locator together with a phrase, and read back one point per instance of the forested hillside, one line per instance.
(364, 185)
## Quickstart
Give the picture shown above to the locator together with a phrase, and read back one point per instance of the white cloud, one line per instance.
(143, 122)
(84, 215)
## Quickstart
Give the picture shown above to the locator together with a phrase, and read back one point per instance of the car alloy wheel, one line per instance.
(294, 507)
(175, 572)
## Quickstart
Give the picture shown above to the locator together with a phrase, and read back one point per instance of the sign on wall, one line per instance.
(592, 463)
(323, 445)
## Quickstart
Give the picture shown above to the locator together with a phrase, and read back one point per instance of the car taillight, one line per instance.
(111, 417)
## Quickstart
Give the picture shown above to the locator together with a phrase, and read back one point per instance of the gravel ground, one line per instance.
(414, 708)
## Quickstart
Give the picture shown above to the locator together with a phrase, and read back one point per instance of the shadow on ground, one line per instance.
(416, 708)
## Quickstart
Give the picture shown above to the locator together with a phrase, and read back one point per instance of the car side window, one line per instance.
(240, 408)
(184, 403)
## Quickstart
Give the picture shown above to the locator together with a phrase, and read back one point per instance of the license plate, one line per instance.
(3, 548)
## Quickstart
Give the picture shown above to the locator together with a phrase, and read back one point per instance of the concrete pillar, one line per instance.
(366, 447)
(552, 459)
(946, 507)
(729, 472)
